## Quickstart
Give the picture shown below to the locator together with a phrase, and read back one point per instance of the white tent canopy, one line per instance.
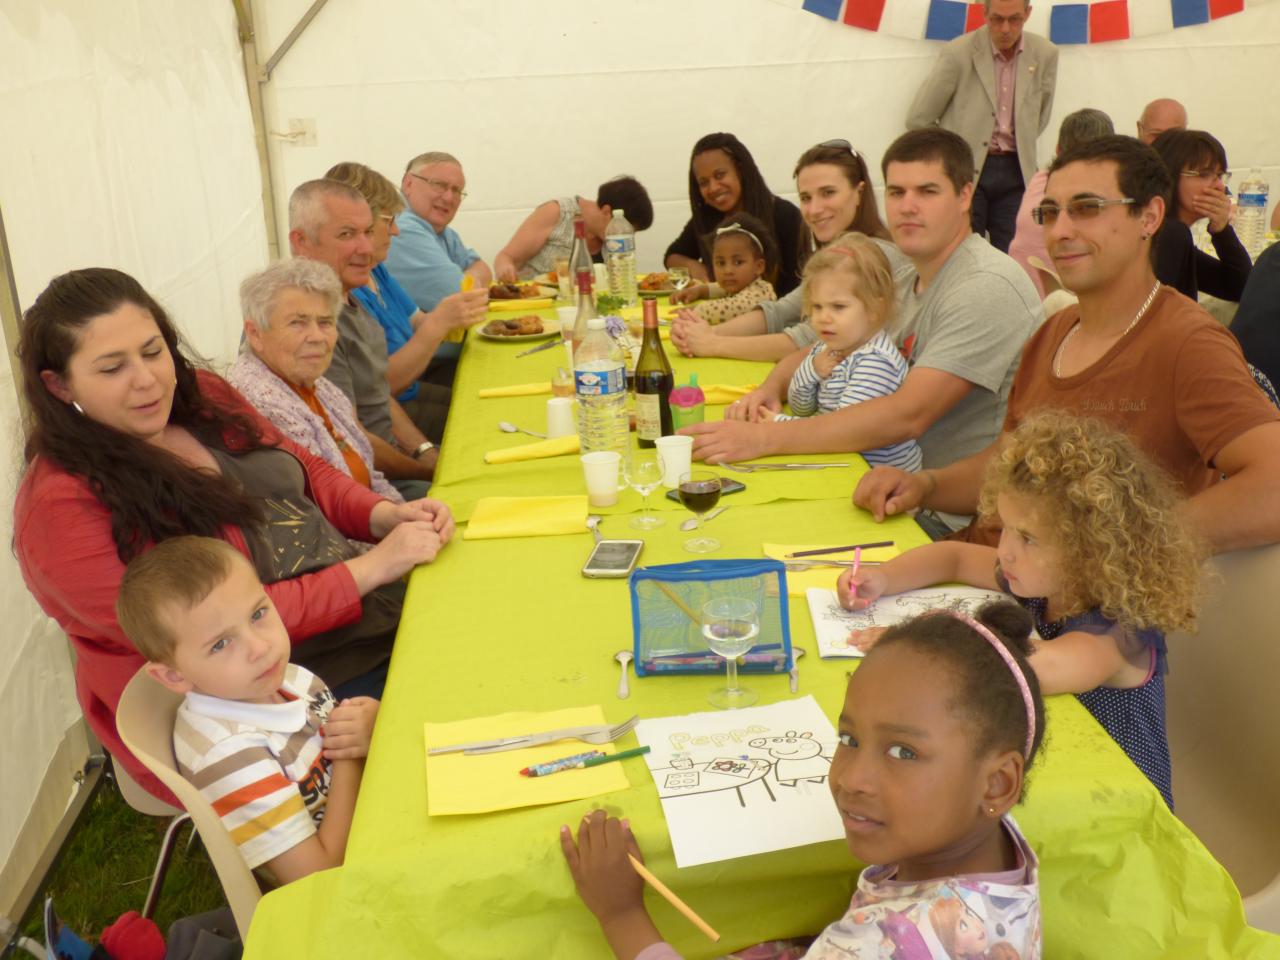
(129, 142)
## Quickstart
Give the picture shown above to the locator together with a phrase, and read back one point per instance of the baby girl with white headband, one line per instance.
(939, 725)
(744, 259)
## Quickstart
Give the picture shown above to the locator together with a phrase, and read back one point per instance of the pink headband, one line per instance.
(1018, 675)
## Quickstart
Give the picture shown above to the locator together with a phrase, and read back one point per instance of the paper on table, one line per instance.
(497, 517)
(457, 783)
(798, 581)
(832, 623)
(722, 393)
(517, 390)
(539, 450)
(740, 782)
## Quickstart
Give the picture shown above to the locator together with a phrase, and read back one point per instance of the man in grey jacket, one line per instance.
(994, 87)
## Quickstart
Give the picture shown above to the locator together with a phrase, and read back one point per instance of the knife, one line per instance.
(540, 347)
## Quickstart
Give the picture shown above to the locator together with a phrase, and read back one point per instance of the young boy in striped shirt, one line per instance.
(261, 738)
(849, 298)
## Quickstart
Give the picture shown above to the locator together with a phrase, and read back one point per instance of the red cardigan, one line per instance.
(62, 535)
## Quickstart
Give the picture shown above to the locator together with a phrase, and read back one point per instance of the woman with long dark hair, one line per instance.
(129, 444)
(836, 196)
(1197, 163)
(723, 180)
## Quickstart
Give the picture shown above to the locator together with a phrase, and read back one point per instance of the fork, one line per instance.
(592, 734)
(753, 467)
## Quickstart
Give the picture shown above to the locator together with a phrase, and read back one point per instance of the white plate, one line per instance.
(550, 327)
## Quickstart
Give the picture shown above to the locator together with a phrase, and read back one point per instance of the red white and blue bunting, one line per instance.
(1070, 21)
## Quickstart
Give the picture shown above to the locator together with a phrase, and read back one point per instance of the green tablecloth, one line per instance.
(503, 625)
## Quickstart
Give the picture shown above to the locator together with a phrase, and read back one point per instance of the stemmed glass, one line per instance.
(730, 626)
(679, 277)
(644, 473)
(699, 491)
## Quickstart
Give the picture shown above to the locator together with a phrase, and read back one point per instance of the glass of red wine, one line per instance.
(699, 491)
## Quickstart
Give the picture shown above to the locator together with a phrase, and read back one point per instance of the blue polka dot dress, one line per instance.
(1133, 716)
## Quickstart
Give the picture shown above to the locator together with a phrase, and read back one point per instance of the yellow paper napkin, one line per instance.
(798, 581)
(535, 451)
(725, 392)
(457, 783)
(517, 390)
(495, 517)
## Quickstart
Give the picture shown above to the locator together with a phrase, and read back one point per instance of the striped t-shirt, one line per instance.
(259, 765)
(875, 369)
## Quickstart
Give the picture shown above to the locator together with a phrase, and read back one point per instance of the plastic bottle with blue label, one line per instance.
(1251, 213)
(620, 258)
(600, 380)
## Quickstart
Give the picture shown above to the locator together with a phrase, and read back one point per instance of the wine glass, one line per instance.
(679, 277)
(644, 474)
(699, 491)
(730, 626)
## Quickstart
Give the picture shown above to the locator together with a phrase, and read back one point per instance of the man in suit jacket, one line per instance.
(994, 87)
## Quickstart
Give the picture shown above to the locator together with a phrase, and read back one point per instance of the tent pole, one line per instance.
(294, 34)
(255, 78)
(10, 312)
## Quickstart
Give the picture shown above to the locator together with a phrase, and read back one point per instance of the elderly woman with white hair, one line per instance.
(290, 329)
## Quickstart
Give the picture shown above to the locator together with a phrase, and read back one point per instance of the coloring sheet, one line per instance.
(738, 782)
(832, 622)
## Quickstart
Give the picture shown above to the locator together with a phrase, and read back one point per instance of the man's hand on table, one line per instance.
(729, 441)
(607, 883)
(887, 491)
(349, 729)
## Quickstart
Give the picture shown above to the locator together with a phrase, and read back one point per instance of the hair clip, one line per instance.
(739, 228)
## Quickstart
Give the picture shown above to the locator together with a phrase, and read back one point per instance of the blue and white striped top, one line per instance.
(876, 369)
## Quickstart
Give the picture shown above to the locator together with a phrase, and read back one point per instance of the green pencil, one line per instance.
(596, 761)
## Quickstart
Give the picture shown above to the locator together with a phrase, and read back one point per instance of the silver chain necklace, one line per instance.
(1142, 312)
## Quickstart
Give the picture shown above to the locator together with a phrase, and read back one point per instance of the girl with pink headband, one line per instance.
(939, 726)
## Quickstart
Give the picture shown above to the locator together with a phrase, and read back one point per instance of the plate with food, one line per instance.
(655, 285)
(520, 296)
(519, 328)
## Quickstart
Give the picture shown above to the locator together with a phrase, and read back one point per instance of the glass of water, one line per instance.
(730, 626)
(644, 474)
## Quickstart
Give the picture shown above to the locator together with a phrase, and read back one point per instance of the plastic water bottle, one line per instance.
(600, 380)
(1251, 213)
(620, 257)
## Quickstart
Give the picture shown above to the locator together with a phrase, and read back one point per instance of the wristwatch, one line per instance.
(422, 448)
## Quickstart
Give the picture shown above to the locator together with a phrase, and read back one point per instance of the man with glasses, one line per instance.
(994, 87)
(1134, 353)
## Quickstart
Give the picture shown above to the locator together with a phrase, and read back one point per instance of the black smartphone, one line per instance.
(727, 486)
(613, 558)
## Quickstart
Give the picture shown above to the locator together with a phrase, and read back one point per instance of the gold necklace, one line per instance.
(1142, 311)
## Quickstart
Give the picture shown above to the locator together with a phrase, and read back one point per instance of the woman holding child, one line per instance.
(129, 444)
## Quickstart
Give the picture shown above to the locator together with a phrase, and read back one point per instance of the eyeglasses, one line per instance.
(1223, 175)
(1016, 20)
(441, 186)
(1086, 209)
(389, 217)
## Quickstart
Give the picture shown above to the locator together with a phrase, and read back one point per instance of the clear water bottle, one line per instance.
(600, 380)
(620, 257)
(1251, 213)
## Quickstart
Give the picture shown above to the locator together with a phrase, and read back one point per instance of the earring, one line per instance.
(991, 810)
(79, 409)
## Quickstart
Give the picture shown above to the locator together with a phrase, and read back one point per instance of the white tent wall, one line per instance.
(127, 143)
(543, 99)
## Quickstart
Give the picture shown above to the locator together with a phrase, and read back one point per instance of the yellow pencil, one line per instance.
(672, 899)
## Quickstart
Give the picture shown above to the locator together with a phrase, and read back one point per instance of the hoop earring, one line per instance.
(79, 409)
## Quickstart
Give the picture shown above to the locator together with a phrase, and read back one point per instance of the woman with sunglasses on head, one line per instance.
(836, 197)
(724, 180)
(1197, 163)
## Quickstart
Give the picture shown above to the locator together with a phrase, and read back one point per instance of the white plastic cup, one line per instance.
(601, 469)
(676, 454)
(560, 419)
(601, 278)
(566, 316)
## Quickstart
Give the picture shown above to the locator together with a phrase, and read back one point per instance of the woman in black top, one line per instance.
(1198, 164)
(723, 180)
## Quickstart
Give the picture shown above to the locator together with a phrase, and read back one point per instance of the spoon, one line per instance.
(512, 428)
(692, 522)
(624, 659)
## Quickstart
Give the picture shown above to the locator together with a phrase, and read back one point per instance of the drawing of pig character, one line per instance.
(797, 756)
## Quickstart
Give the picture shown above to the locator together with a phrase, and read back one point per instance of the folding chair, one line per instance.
(145, 720)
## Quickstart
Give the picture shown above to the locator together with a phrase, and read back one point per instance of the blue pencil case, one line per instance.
(666, 615)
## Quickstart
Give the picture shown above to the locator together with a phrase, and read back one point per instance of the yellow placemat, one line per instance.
(457, 783)
(798, 581)
(535, 451)
(516, 390)
(496, 517)
(719, 393)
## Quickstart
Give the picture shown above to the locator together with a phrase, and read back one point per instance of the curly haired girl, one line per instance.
(1094, 546)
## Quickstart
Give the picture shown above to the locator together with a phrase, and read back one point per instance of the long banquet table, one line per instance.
(504, 625)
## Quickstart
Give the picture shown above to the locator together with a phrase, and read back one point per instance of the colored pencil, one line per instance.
(620, 755)
(845, 549)
(672, 899)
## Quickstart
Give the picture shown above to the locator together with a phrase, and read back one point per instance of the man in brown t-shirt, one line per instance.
(1133, 353)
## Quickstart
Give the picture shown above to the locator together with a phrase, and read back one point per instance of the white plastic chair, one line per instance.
(145, 719)
(1224, 726)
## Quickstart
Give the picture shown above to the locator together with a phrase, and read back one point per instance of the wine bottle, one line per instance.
(654, 382)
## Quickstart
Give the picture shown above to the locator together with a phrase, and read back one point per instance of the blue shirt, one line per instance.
(392, 307)
(429, 265)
